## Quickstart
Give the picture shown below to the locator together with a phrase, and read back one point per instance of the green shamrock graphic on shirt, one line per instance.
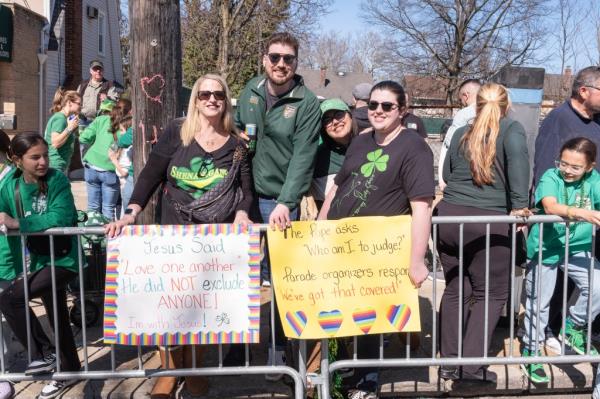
(377, 160)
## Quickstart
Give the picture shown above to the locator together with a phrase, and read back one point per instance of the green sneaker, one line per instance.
(534, 371)
(576, 338)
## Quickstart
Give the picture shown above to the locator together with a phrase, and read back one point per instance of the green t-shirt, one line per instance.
(585, 194)
(60, 158)
(56, 208)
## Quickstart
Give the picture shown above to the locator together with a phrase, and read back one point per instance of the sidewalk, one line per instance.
(566, 380)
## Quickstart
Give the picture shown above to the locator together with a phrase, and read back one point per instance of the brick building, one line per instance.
(66, 35)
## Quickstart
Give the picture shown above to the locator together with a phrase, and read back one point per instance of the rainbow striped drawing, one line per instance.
(111, 302)
(398, 316)
(297, 320)
(330, 321)
(364, 318)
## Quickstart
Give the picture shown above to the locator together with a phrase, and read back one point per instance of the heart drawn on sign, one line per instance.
(296, 320)
(398, 316)
(330, 321)
(364, 318)
(153, 87)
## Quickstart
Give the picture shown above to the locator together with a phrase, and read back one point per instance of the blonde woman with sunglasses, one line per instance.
(193, 156)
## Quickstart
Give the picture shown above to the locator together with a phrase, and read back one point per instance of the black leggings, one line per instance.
(12, 305)
(474, 256)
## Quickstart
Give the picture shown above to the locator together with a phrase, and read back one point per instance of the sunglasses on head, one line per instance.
(330, 116)
(385, 106)
(205, 95)
(287, 58)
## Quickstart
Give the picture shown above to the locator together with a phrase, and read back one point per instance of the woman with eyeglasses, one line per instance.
(386, 172)
(61, 128)
(487, 173)
(337, 130)
(194, 156)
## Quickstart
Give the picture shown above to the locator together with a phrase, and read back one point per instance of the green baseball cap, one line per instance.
(107, 105)
(334, 104)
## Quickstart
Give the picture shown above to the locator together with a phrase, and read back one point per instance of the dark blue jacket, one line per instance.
(560, 125)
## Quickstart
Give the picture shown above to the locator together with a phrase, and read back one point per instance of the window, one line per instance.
(101, 32)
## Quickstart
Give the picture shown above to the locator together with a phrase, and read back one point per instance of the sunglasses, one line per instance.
(204, 95)
(337, 115)
(385, 106)
(97, 68)
(287, 58)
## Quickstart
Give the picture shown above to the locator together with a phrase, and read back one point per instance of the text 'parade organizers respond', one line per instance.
(182, 285)
(345, 277)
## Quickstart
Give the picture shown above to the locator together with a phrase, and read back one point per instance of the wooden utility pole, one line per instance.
(155, 38)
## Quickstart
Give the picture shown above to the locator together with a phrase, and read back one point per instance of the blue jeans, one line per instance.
(265, 207)
(127, 191)
(103, 191)
(578, 271)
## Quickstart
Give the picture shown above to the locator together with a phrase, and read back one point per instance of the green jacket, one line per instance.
(99, 137)
(287, 139)
(55, 209)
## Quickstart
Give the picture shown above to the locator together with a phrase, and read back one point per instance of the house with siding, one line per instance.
(55, 39)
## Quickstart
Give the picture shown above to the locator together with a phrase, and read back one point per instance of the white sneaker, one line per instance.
(553, 344)
(55, 388)
(266, 283)
(276, 358)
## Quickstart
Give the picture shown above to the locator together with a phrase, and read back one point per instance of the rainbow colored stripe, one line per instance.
(364, 319)
(297, 321)
(330, 321)
(398, 316)
(112, 336)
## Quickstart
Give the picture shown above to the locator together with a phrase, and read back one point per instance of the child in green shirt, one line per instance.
(61, 127)
(37, 198)
(571, 190)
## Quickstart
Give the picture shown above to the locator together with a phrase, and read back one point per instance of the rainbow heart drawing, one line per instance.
(297, 321)
(398, 316)
(330, 321)
(364, 318)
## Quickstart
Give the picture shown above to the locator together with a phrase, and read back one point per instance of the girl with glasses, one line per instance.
(571, 190)
(487, 173)
(195, 156)
(386, 172)
(61, 128)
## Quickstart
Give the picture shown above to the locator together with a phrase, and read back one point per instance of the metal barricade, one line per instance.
(113, 372)
(321, 380)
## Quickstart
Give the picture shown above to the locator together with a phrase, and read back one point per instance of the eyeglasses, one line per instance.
(385, 106)
(205, 167)
(563, 165)
(204, 95)
(287, 58)
(331, 116)
(592, 87)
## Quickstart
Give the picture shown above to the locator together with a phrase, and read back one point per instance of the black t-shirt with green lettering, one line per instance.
(381, 180)
(189, 171)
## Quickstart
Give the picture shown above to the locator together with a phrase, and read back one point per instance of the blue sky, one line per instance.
(344, 19)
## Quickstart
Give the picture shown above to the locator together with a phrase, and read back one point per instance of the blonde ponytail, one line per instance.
(479, 142)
